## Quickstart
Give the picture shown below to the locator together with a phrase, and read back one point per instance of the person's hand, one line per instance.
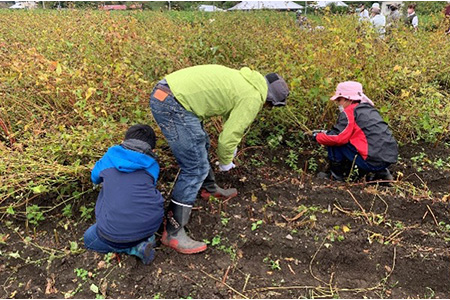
(235, 152)
(226, 168)
(314, 133)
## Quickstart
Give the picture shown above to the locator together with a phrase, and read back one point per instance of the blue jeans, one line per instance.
(92, 241)
(348, 152)
(189, 144)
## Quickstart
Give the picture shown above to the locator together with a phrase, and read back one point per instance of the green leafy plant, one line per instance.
(255, 225)
(274, 141)
(34, 214)
(312, 164)
(292, 159)
(109, 257)
(215, 241)
(67, 211)
(224, 220)
(273, 264)
(81, 273)
(10, 210)
(429, 294)
(86, 212)
(257, 162)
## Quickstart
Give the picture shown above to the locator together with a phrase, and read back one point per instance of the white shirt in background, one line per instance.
(364, 15)
(415, 21)
(379, 22)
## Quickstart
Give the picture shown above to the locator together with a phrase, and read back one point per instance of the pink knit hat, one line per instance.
(351, 90)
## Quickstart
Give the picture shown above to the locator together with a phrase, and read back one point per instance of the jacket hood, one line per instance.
(128, 161)
(256, 80)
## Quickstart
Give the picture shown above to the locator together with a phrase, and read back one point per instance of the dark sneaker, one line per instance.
(323, 175)
(336, 177)
(145, 250)
(329, 176)
(383, 175)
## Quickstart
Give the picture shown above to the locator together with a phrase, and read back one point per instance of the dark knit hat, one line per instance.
(143, 133)
(278, 90)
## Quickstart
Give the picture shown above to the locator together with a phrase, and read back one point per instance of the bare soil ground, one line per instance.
(287, 235)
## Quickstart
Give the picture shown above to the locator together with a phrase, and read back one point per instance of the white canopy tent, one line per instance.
(209, 8)
(275, 5)
(323, 4)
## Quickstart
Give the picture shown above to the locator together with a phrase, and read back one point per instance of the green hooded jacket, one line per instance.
(214, 90)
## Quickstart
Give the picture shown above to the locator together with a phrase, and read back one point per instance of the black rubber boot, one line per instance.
(210, 188)
(174, 235)
(210, 181)
(381, 175)
(339, 170)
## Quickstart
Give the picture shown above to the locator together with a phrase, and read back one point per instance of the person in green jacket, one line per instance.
(180, 103)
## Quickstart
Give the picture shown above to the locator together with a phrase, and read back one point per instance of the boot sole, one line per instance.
(205, 195)
(184, 251)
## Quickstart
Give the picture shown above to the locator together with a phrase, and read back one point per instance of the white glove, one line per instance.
(316, 132)
(235, 153)
(225, 168)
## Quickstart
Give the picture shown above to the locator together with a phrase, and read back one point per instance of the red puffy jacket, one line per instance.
(361, 125)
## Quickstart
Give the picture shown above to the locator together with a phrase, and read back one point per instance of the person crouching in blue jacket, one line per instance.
(129, 208)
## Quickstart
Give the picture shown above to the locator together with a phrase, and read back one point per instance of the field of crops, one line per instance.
(71, 82)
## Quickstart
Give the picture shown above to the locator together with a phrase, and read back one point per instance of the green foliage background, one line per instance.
(71, 82)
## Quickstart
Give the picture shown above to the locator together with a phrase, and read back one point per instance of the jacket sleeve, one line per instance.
(240, 118)
(341, 132)
(95, 174)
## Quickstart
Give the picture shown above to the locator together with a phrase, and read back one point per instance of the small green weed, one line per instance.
(10, 210)
(256, 225)
(82, 273)
(273, 264)
(34, 214)
(224, 221)
(312, 164)
(256, 162)
(429, 294)
(108, 258)
(215, 240)
(86, 212)
(292, 160)
(274, 141)
(67, 211)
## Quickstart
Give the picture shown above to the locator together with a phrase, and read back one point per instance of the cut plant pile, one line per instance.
(286, 235)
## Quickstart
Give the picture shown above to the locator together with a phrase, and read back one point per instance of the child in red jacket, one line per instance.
(360, 137)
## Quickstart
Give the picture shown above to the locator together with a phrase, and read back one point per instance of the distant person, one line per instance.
(447, 17)
(363, 13)
(180, 103)
(374, 5)
(302, 21)
(411, 19)
(129, 208)
(394, 17)
(360, 137)
(378, 20)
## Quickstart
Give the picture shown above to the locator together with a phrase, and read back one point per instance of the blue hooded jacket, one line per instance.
(129, 207)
